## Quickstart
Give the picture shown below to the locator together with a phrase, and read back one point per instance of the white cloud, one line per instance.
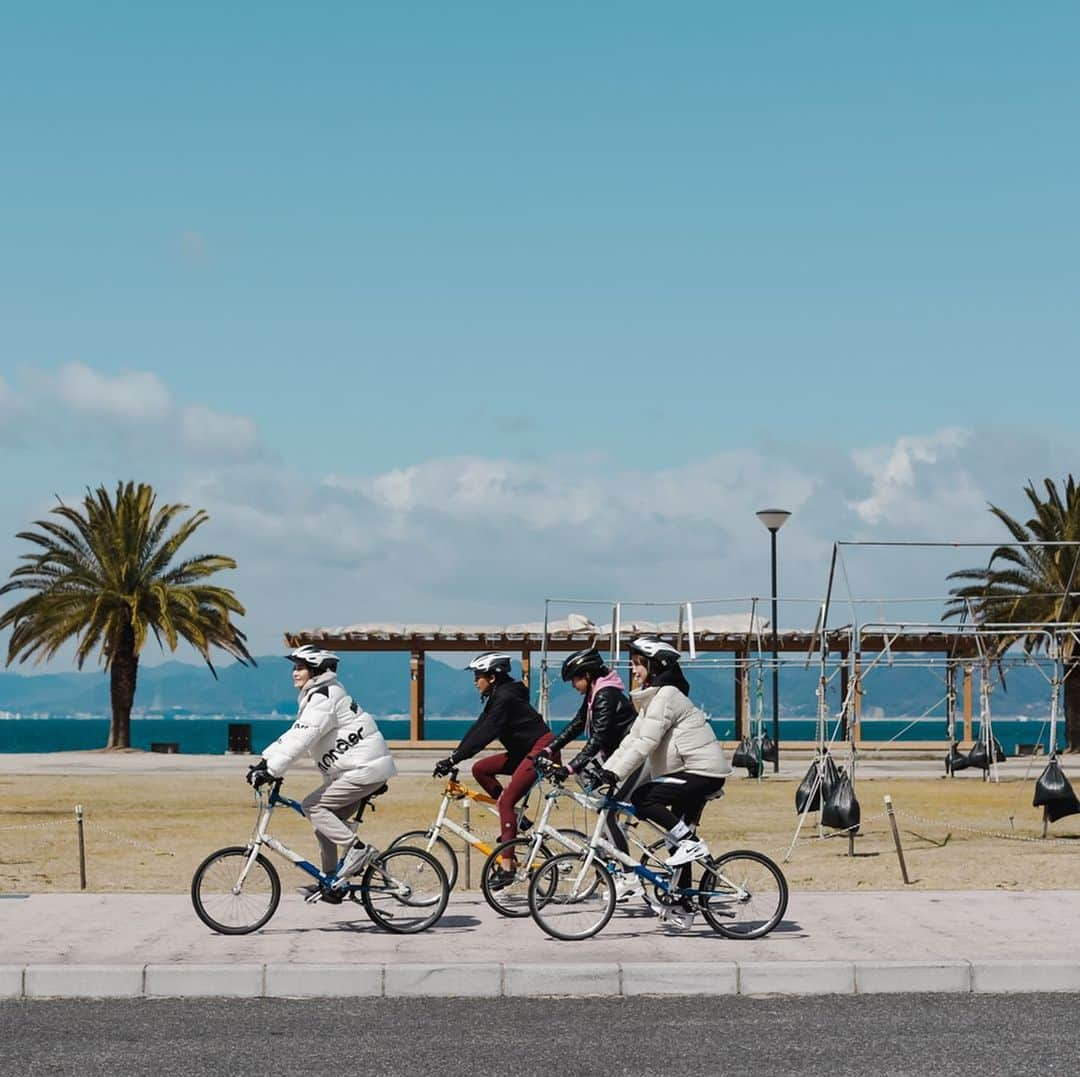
(908, 481)
(133, 395)
(213, 433)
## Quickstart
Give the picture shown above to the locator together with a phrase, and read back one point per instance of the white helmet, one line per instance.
(654, 649)
(313, 658)
(484, 665)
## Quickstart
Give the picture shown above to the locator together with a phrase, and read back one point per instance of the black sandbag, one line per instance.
(841, 811)
(768, 749)
(829, 778)
(1054, 794)
(808, 795)
(979, 756)
(744, 755)
(956, 760)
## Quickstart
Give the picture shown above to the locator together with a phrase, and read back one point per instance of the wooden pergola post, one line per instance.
(416, 696)
(526, 668)
(969, 733)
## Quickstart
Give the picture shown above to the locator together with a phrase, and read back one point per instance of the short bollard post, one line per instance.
(82, 846)
(468, 848)
(896, 838)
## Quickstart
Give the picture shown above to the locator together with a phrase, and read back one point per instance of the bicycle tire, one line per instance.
(760, 906)
(423, 839)
(213, 891)
(567, 905)
(404, 890)
(512, 900)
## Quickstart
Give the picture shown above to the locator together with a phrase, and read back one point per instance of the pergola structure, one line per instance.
(529, 639)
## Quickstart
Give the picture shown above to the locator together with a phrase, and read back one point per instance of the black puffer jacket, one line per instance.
(612, 715)
(507, 715)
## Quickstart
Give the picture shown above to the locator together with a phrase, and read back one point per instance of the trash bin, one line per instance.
(165, 747)
(239, 738)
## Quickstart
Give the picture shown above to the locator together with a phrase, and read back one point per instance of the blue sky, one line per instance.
(638, 269)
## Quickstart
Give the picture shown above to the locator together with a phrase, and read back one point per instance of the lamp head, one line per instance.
(773, 519)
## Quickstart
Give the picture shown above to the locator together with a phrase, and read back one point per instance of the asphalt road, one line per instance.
(831, 1036)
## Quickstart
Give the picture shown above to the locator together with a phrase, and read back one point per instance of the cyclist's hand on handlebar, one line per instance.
(443, 767)
(259, 775)
(607, 777)
(558, 774)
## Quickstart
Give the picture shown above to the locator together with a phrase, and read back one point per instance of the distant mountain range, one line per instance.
(380, 681)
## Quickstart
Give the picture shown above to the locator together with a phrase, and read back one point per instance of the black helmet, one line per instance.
(582, 662)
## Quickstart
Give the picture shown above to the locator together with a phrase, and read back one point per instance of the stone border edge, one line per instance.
(623, 979)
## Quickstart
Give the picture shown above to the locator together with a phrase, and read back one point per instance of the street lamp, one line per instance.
(774, 519)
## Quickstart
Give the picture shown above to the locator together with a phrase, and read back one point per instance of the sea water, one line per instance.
(208, 735)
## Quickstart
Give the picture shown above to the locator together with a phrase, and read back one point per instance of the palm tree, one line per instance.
(104, 576)
(1027, 585)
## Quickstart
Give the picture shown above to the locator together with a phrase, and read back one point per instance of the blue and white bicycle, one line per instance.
(742, 894)
(237, 889)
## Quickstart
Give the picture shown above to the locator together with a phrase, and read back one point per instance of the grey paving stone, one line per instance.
(883, 977)
(599, 979)
(83, 981)
(680, 978)
(1024, 976)
(796, 977)
(323, 981)
(214, 981)
(454, 981)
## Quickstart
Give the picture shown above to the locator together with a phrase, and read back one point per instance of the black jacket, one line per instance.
(508, 715)
(612, 715)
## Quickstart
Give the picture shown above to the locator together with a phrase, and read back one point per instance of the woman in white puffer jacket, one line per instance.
(350, 752)
(683, 764)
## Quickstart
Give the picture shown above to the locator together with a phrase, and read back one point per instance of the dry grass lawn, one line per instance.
(148, 833)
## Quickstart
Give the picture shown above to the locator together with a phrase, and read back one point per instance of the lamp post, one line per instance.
(774, 519)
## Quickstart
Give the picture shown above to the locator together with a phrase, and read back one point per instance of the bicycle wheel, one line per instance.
(744, 895)
(512, 899)
(437, 845)
(226, 905)
(404, 890)
(571, 899)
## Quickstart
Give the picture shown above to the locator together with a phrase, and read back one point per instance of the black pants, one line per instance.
(611, 825)
(672, 797)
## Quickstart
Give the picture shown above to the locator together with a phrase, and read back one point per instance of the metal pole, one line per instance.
(775, 660)
(82, 846)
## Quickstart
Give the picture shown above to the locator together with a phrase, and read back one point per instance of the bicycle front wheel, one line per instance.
(511, 899)
(404, 890)
(435, 844)
(570, 899)
(744, 895)
(226, 904)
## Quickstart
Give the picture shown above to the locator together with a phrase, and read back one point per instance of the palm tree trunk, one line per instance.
(123, 672)
(1072, 704)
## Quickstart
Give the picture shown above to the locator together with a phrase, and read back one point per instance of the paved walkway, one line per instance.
(153, 944)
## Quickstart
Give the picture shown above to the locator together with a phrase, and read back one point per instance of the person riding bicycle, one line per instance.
(684, 763)
(604, 717)
(509, 716)
(351, 753)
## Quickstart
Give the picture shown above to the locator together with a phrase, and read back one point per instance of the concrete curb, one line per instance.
(748, 978)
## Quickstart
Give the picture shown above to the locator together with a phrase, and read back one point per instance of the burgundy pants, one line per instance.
(522, 776)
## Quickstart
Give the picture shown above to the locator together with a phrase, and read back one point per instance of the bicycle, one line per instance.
(432, 841)
(237, 889)
(512, 899)
(742, 893)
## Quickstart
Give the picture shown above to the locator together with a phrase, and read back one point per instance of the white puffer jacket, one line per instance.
(670, 735)
(336, 732)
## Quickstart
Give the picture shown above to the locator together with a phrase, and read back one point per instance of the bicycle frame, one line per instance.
(600, 847)
(543, 829)
(456, 790)
(262, 836)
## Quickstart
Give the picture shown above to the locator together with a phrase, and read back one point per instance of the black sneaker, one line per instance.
(331, 897)
(500, 879)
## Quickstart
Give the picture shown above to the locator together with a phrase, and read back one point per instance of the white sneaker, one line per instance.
(678, 919)
(628, 885)
(356, 859)
(687, 851)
